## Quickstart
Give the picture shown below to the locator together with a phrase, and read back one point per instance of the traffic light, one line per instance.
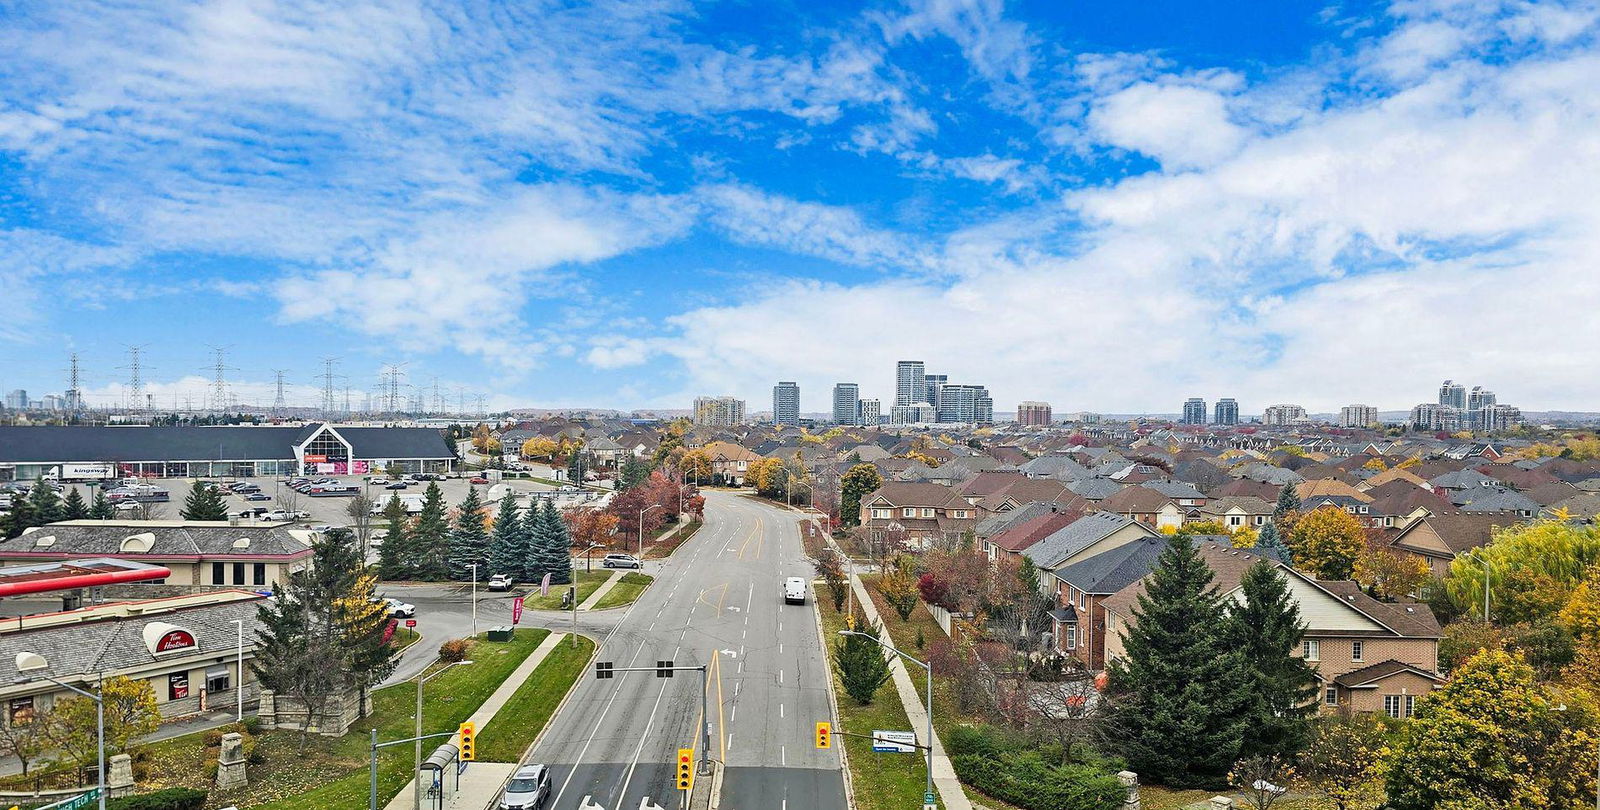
(685, 768)
(469, 733)
(824, 734)
(602, 670)
(663, 669)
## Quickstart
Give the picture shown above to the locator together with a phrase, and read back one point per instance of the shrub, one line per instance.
(177, 798)
(1024, 779)
(252, 724)
(455, 649)
(212, 738)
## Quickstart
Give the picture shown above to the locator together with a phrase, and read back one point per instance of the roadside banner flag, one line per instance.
(544, 585)
(516, 610)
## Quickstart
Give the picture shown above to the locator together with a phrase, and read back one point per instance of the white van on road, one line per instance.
(794, 591)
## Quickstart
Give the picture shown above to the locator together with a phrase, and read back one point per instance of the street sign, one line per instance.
(411, 622)
(894, 742)
(76, 802)
(516, 610)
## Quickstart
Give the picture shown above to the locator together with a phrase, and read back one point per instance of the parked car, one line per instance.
(284, 514)
(257, 496)
(399, 609)
(253, 513)
(529, 788)
(397, 485)
(501, 582)
(621, 561)
(478, 479)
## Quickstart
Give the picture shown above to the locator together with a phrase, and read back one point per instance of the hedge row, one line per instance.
(1001, 764)
(178, 798)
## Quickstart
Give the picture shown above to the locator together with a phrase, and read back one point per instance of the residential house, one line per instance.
(1088, 535)
(1439, 538)
(1019, 537)
(928, 515)
(729, 460)
(1079, 618)
(1145, 505)
(1370, 656)
(1236, 512)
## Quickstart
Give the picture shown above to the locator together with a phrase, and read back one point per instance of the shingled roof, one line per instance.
(159, 539)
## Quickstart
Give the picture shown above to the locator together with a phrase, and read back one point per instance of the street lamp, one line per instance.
(32, 665)
(474, 600)
(929, 668)
(1478, 558)
(642, 513)
(238, 688)
(416, 793)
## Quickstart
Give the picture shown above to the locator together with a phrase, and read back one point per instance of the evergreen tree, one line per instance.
(74, 506)
(430, 536)
(535, 544)
(506, 552)
(101, 510)
(204, 503)
(634, 472)
(575, 467)
(397, 556)
(469, 541)
(323, 631)
(47, 507)
(1270, 544)
(861, 663)
(1288, 502)
(559, 552)
(1180, 690)
(1268, 629)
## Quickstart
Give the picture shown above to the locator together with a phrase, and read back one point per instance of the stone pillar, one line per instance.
(1130, 782)
(230, 763)
(1221, 803)
(267, 709)
(119, 776)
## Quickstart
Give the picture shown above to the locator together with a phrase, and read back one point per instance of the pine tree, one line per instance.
(1268, 629)
(1270, 544)
(469, 542)
(21, 516)
(101, 510)
(634, 472)
(1180, 689)
(1288, 502)
(396, 557)
(861, 663)
(46, 505)
(506, 552)
(535, 544)
(430, 536)
(74, 506)
(559, 550)
(323, 631)
(575, 467)
(204, 503)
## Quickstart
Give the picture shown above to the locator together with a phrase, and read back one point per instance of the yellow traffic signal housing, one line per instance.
(685, 768)
(824, 734)
(469, 734)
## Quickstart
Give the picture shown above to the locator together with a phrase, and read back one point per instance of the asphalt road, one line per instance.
(717, 601)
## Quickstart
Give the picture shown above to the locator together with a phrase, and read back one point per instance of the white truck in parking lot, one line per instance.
(81, 472)
(412, 504)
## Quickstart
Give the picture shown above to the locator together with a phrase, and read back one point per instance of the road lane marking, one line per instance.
(783, 759)
(780, 711)
(640, 750)
(780, 676)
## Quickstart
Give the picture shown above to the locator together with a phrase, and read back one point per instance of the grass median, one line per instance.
(518, 722)
(880, 781)
(626, 591)
(588, 582)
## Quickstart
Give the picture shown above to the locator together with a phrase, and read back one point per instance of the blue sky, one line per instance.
(1108, 206)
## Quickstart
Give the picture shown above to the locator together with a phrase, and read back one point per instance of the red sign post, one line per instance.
(411, 622)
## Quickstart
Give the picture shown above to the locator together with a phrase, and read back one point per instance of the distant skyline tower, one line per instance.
(933, 388)
(1226, 412)
(846, 403)
(910, 382)
(1194, 411)
(1453, 394)
(786, 403)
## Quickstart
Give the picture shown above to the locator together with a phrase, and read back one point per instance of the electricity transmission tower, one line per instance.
(327, 377)
(135, 367)
(278, 404)
(74, 388)
(392, 376)
(219, 382)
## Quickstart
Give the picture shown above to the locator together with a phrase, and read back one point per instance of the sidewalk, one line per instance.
(944, 774)
(605, 587)
(480, 783)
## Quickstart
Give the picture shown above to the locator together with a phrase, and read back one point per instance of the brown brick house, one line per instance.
(1438, 538)
(928, 514)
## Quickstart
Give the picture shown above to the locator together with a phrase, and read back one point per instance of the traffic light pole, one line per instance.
(372, 801)
(664, 669)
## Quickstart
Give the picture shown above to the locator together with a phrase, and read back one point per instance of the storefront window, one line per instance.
(217, 680)
(219, 575)
(238, 573)
(21, 711)
(259, 574)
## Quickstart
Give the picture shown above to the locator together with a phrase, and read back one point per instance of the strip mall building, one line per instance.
(27, 453)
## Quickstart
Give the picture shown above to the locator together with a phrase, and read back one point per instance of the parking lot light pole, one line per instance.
(416, 793)
(238, 688)
(642, 513)
(474, 600)
(926, 665)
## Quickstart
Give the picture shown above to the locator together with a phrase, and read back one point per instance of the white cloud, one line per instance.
(755, 217)
(1179, 125)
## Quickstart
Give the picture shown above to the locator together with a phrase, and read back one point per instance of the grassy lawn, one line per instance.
(880, 781)
(626, 591)
(588, 581)
(657, 550)
(333, 772)
(404, 637)
(520, 720)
